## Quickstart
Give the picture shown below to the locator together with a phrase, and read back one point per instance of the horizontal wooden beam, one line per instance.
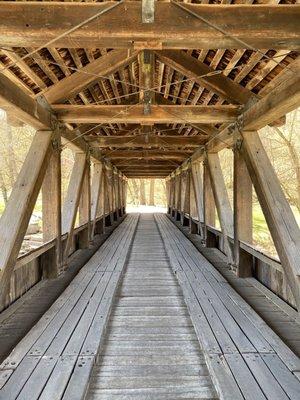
(32, 24)
(23, 107)
(192, 68)
(146, 141)
(92, 72)
(153, 163)
(117, 155)
(37, 113)
(148, 168)
(284, 98)
(34, 112)
(135, 114)
(281, 99)
(147, 175)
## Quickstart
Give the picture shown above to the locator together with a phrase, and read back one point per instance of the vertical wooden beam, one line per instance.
(146, 60)
(186, 209)
(168, 192)
(197, 186)
(72, 199)
(209, 206)
(95, 194)
(104, 197)
(178, 202)
(114, 195)
(17, 213)
(120, 212)
(125, 184)
(174, 196)
(243, 226)
(222, 200)
(85, 207)
(108, 192)
(279, 216)
(51, 206)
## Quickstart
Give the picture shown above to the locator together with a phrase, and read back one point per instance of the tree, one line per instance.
(283, 146)
(142, 192)
(151, 192)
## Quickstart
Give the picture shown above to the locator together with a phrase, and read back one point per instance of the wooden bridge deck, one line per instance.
(172, 329)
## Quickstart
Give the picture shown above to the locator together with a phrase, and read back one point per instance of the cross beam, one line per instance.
(277, 26)
(148, 141)
(164, 114)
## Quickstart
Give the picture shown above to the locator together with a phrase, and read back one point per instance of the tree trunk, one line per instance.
(136, 192)
(3, 189)
(142, 192)
(12, 165)
(151, 192)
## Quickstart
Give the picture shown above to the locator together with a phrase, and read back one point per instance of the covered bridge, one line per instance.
(149, 306)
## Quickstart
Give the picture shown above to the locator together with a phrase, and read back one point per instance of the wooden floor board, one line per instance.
(72, 327)
(151, 350)
(150, 318)
(247, 372)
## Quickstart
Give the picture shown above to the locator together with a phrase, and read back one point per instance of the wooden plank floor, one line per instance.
(171, 327)
(246, 358)
(151, 349)
(17, 320)
(281, 317)
(54, 360)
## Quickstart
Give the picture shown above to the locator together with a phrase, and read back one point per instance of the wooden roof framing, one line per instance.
(211, 66)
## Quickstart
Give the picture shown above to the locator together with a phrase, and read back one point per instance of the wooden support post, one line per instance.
(96, 195)
(209, 207)
(243, 226)
(108, 194)
(72, 199)
(121, 181)
(119, 196)
(197, 186)
(16, 216)
(279, 216)
(186, 209)
(114, 196)
(85, 207)
(168, 191)
(125, 183)
(222, 201)
(178, 202)
(51, 206)
(174, 197)
(104, 198)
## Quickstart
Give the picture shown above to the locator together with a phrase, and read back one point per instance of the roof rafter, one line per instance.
(195, 69)
(86, 76)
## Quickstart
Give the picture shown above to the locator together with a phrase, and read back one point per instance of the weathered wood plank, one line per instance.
(172, 28)
(92, 72)
(23, 197)
(279, 216)
(163, 114)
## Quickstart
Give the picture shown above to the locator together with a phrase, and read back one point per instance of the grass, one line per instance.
(261, 234)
